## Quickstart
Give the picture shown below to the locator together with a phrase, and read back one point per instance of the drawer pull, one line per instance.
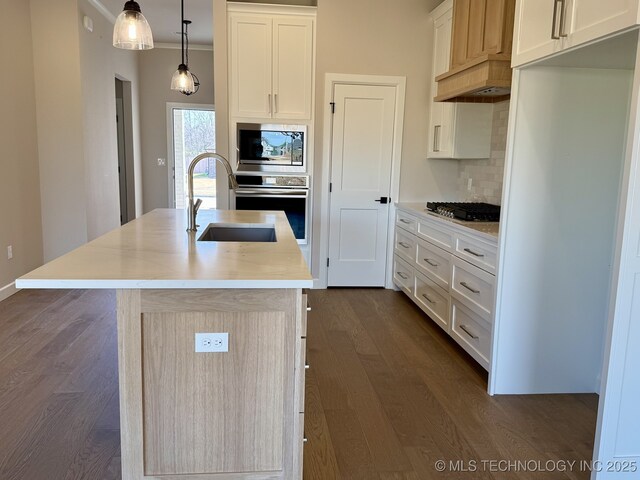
(304, 440)
(402, 275)
(475, 254)
(431, 262)
(465, 329)
(307, 366)
(405, 221)
(426, 297)
(308, 308)
(471, 289)
(404, 245)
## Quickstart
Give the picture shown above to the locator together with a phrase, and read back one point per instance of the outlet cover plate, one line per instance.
(212, 342)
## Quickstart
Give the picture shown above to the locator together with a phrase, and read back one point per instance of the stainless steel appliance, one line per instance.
(271, 147)
(286, 193)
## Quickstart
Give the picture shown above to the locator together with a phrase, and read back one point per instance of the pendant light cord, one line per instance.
(182, 28)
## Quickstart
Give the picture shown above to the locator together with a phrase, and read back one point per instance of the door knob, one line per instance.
(383, 200)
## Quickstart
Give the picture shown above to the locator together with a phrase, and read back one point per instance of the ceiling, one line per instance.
(164, 18)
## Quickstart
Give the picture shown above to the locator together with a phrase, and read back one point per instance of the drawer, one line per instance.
(405, 245)
(403, 275)
(471, 332)
(301, 371)
(478, 252)
(406, 221)
(435, 263)
(473, 286)
(433, 300)
(439, 236)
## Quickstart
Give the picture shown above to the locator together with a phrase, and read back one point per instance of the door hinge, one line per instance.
(330, 187)
(333, 107)
(327, 262)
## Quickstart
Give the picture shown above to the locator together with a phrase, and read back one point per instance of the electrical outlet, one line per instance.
(9, 252)
(162, 162)
(469, 184)
(212, 342)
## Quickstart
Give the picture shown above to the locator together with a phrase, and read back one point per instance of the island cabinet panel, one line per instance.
(195, 403)
(211, 416)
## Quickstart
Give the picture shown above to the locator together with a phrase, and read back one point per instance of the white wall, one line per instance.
(56, 56)
(156, 68)
(100, 63)
(20, 217)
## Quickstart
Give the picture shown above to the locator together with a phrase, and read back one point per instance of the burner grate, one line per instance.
(469, 211)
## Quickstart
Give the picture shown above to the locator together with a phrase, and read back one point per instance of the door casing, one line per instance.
(331, 80)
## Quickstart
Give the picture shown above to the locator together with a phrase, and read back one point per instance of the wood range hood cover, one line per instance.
(482, 37)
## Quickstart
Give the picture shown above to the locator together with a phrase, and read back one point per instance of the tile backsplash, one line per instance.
(486, 174)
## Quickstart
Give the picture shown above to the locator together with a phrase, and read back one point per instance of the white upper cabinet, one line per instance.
(544, 27)
(456, 130)
(271, 63)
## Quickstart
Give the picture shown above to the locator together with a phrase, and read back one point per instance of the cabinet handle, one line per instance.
(402, 275)
(475, 254)
(304, 440)
(554, 25)
(436, 137)
(563, 19)
(465, 329)
(431, 262)
(405, 221)
(308, 308)
(426, 297)
(404, 245)
(269, 100)
(471, 289)
(275, 102)
(307, 366)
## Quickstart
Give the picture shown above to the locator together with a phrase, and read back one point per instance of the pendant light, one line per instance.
(183, 80)
(132, 31)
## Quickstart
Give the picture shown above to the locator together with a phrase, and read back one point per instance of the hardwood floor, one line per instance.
(388, 394)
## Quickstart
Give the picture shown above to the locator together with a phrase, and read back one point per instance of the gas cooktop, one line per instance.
(469, 211)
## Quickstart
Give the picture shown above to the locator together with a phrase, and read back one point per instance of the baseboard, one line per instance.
(7, 291)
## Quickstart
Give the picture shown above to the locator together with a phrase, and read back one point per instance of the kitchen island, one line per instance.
(234, 410)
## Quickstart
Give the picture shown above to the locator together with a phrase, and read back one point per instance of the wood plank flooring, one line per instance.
(388, 394)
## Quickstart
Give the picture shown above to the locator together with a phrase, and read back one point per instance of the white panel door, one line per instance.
(250, 66)
(361, 158)
(292, 67)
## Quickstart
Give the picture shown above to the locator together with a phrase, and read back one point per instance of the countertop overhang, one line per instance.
(156, 252)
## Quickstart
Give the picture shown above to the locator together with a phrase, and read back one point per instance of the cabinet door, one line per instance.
(592, 19)
(292, 67)
(533, 35)
(250, 66)
(441, 112)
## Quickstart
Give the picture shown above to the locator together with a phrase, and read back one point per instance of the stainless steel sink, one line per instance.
(238, 232)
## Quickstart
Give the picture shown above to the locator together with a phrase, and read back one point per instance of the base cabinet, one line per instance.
(237, 414)
(450, 274)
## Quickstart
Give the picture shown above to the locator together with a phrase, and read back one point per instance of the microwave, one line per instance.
(271, 148)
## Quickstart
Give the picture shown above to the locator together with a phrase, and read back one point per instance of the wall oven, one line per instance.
(286, 193)
(271, 148)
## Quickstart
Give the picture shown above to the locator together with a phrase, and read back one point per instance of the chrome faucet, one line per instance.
(194, 206)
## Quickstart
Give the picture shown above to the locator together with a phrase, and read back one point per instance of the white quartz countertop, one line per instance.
(155, 251)
(487, 230)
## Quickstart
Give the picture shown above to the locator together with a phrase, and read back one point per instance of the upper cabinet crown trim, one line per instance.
(298, 10)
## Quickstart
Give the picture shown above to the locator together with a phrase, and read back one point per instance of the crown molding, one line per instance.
(103, 10)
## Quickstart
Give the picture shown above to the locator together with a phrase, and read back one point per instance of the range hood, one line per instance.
(480, 52)
(486, 79)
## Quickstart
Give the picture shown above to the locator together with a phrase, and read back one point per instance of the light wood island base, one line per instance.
(234, 415)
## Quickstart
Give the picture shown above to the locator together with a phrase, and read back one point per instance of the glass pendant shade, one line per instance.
(182, 80)
(132, 31)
